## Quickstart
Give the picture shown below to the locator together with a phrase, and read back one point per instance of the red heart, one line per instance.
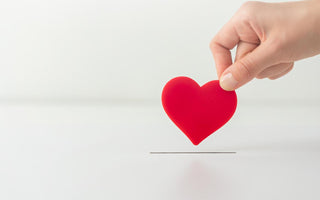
(198, 111)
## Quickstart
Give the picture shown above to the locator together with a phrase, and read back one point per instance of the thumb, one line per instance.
(246, 68)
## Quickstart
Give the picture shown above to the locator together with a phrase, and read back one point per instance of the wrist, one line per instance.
(313, 14)
(313, 7)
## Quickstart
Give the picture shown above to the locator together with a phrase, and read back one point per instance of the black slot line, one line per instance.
(193, 152)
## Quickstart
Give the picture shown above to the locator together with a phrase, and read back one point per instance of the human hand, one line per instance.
(269, 38)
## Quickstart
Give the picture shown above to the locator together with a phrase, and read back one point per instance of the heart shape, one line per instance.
(198, 111)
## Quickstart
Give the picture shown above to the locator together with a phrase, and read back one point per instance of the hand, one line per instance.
(269, 38)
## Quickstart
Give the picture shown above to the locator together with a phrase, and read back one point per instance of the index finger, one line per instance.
(225, 40)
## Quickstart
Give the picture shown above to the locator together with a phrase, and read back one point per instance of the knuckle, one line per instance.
(215, 47)
(246, 5)
(244, 68)
(247, 10)
(212, 44)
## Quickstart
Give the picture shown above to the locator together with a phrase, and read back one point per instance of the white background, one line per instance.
(80, 86)
(122, 50)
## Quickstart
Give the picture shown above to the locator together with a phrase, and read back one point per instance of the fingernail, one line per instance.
(228, 82)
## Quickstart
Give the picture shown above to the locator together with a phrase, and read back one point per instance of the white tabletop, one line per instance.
(102, 151)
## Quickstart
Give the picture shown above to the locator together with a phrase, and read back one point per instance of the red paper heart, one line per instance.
(198, 111)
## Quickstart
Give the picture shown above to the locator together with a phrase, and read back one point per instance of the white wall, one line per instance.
(122, 49)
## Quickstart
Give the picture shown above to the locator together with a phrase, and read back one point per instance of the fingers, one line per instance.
(275, 70)
(282, 73)
(220, 46)
(244, 48)
(248, 67)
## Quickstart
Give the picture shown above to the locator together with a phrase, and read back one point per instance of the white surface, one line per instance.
(121, 49)
(101, 151)
(85, 53)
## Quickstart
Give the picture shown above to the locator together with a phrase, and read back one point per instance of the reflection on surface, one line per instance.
(200, 181)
